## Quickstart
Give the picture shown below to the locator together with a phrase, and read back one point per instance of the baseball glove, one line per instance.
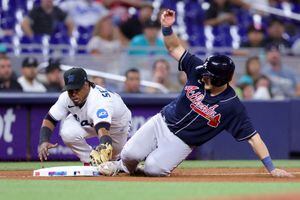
(101, 154)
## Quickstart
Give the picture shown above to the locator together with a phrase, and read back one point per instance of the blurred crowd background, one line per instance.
(120, 43)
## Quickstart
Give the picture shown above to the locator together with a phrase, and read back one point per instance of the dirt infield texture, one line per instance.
(179, 175)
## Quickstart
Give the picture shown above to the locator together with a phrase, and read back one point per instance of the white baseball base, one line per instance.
(67, 171)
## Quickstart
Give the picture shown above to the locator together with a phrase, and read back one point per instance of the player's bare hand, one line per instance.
(281, 173)
(167, 18)
(43, 150)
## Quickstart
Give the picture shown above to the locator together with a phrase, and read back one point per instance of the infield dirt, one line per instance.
(179, 175)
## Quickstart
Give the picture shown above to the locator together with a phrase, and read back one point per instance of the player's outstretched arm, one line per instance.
(104, 150)
(262, 152)
(171, 40)
(44, 144)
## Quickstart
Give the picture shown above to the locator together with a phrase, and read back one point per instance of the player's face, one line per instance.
(207, 82)
(79, 96)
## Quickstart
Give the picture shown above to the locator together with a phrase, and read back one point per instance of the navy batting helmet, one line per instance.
(219, 68)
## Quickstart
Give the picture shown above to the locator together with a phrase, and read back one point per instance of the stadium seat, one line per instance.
(193, 19)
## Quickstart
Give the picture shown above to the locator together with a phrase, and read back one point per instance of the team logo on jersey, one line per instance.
(102, 113)
(200, 108)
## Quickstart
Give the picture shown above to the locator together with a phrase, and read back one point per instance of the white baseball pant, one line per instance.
(157, 145)
(73, 135)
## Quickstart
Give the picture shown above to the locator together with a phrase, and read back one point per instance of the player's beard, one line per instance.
(79, 101)
(208, 87)
(207, 83)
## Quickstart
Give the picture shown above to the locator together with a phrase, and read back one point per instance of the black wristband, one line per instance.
(105, 139)
(45, 134)
(167, 31)
(105, 125)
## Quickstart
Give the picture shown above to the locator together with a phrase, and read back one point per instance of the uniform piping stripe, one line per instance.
(229, 99)
(180, 60)
(187, 124)
(248, 136)
(181, 119)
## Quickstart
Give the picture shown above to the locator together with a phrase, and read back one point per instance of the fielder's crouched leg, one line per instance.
(72, 135)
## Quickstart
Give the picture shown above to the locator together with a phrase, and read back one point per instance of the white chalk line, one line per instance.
(237, 174)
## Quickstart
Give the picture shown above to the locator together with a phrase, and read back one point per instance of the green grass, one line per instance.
(34, 165)
(238, 164)
(67, 189)
(13, 189)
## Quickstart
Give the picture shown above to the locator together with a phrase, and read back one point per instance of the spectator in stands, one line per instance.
(255, 37)
(28, 79)
(119, 8)
(44, 18)
(220, 12)
(7, 82)
(235, 86)
(296, 47)
(133, 81)
(149, 39)
(54, 76)
(182, 78)
(5, 32)
(99, 81)
(161, 75)
(134, 25)
(3, 50)
(105, 38)
(253, 71)
(84, 13)
(282, 79)
(247, 91)
(275, 34)
(262, 87)
(297, 93)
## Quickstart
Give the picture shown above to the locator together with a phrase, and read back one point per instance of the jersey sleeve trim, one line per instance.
(180, 60)
(247, 137)
(229, 99)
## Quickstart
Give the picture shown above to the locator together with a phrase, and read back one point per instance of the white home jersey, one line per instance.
(101, 106)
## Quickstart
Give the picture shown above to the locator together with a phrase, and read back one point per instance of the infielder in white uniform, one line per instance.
(89, 111)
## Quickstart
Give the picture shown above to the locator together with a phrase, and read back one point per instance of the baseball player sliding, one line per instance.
(206, 106)
(89, 111)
